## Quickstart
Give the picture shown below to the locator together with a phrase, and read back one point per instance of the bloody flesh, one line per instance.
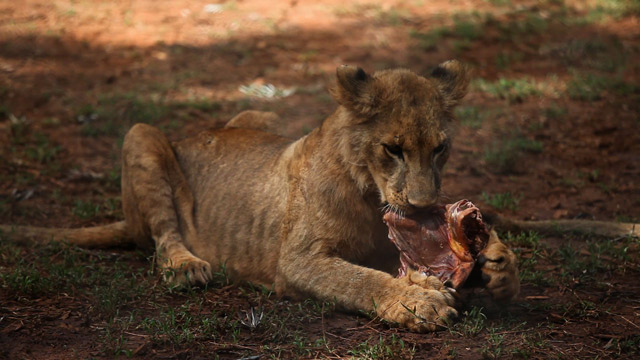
(442, 241)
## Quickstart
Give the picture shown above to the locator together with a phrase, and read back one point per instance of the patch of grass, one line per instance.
(24, 279)
(473, 322)
(203, 105)
(429, 40)
(505, 59)
(466, 28)
(501, 201)
(512, 90)
(582, 264)
(470, 116)
(627, 345)
(623, 218)
(383, 348)
(591, 87)
(530, 240)
(529, 250)
(113, 178)
(494, 349)
(531, 344)
(498, 2)
(19, 129)
(48, 269)
(4, 111)
(390, 17)
(177, 326)
(604, 55)
(603, 10)
(554, 112)
(85, 209)
(42, 151)
(503, 155)
(114, 341)
(114, 114)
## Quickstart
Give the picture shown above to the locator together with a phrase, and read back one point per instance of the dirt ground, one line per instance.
(549, 130)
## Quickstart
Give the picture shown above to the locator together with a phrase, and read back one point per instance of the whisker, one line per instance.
(385, 209)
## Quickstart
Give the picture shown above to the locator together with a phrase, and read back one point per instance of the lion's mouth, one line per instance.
(443, 241)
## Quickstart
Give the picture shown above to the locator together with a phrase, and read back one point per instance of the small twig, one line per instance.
(99, 254)
(337, 336)
(629, 321)
(232, 346)
(134, 334)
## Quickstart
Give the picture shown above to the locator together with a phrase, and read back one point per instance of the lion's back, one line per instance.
(239, 182)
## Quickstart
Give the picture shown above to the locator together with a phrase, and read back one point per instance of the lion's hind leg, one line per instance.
(158, 203)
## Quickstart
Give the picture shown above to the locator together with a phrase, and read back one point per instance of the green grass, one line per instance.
(429, 40)
(554, 112)
(4, 111)
(471, 116)
(115, 113)
(605, 10)
(473, 322)
(383, 348)
(595, 257)
(530, 251)
(512, 90)
(502, 201)
(53, 268)
(183, 326)
(85, 209)
(503, 155)
(494, 349)
(498, 2)
(505, 59)
(591, 87)
(42, 150)
(465, 29)
(19, 129)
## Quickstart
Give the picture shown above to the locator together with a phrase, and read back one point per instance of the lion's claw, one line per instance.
(187, 269)
(421, 309)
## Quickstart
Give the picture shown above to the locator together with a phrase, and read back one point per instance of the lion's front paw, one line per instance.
(187, 269)
(421, 309)
(499, 267)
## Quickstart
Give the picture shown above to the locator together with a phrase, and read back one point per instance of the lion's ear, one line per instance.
(453, 80)
(354, 89)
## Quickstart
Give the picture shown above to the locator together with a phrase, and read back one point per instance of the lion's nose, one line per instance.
(422, 202)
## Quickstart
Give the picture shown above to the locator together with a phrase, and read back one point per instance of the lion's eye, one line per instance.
(440, 148)
(394, 151)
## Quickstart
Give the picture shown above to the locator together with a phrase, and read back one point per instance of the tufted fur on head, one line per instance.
(367, 95)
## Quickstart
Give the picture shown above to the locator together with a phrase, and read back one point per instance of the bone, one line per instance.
(443, 241)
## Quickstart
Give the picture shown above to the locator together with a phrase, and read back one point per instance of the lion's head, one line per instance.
(399, 129)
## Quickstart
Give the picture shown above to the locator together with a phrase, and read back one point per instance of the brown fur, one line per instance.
(305, 215)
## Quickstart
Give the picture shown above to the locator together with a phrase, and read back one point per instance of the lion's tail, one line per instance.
(97, 236)
(560, 227)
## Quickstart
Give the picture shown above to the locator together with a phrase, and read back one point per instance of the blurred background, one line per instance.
(549, 130)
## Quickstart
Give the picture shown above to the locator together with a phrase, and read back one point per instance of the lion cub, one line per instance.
(305, 215)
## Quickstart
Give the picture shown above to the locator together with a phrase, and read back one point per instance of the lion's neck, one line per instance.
(335, 150)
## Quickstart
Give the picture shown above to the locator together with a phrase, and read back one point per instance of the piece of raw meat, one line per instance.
(442, 241)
